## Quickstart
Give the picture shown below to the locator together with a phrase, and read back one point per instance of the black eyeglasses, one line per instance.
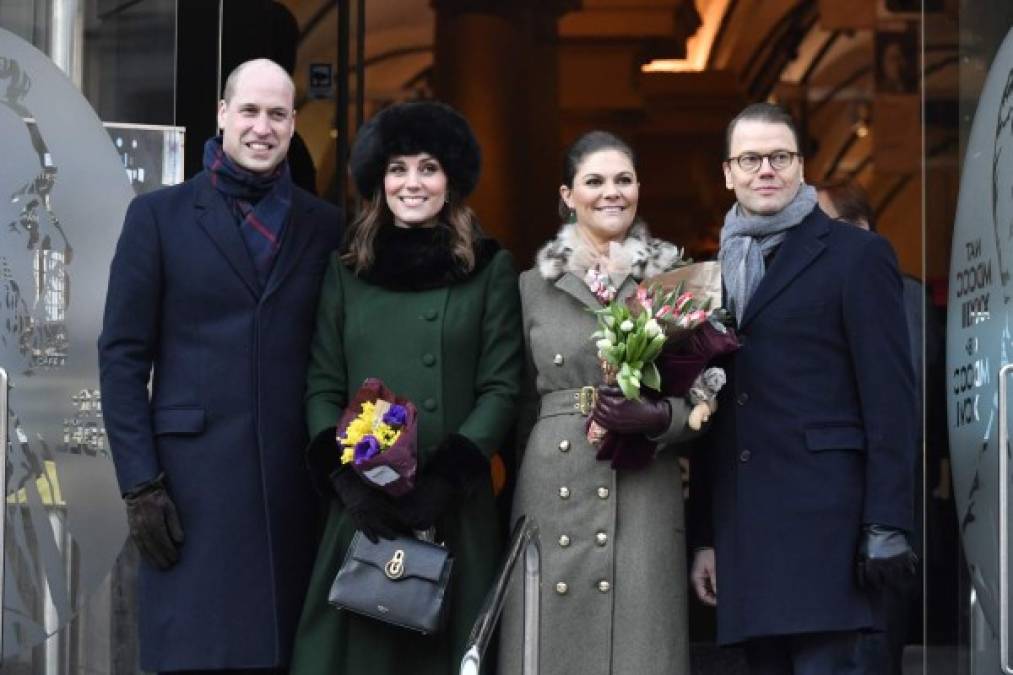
(750, 162)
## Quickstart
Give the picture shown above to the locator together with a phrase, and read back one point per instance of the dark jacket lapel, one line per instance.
(214, 217)
(298, 233)
(799, 249)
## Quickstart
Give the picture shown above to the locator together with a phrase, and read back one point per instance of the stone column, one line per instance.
(496, 62)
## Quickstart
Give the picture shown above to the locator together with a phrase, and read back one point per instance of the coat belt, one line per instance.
(578, 401)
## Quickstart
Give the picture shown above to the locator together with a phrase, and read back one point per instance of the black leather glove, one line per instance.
(371, 511)
(323, 459)
(884, 558)
(455, 470)
(154, 523)
(617, 413)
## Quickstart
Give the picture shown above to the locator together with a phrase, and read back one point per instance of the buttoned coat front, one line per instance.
(224, 422)
(455, 351)
(814, 436)
(613, 546)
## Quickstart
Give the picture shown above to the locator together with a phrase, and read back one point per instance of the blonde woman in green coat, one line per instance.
(422, 300)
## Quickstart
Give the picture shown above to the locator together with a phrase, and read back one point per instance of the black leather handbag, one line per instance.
(401, 581)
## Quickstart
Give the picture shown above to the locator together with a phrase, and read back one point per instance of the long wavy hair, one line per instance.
(456, 218)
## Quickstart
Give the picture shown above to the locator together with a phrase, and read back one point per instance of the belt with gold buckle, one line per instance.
(586, 397)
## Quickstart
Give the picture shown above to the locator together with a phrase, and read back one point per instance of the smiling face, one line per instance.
(604, 195)
(415, 187)
(766, 191)
(258, 120)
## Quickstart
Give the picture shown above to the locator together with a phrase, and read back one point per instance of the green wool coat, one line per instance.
(456, 352)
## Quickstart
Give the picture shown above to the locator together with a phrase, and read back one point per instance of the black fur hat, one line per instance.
(409, 129)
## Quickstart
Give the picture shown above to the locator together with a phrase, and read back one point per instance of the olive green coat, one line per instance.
(456, 352)
(613, 563)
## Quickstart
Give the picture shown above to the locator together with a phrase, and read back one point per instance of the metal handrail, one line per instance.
(523, 540)
(4, 432)
(1004, 651)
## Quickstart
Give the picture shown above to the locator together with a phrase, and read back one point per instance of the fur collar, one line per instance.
(643, 255)
(419, 259)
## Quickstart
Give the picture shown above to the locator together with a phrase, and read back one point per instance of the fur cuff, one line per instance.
(461, 462)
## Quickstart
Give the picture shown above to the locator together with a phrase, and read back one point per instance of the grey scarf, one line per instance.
(745, 239)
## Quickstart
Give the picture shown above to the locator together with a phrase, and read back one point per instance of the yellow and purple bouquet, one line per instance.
(377, 437)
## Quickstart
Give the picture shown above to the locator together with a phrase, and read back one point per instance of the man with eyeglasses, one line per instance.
(212, 299)
(801, 499)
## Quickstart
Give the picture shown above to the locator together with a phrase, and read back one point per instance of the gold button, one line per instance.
(564, 540)
(564, 446)
(601, 539)
(604, 586)
(564, 492)
(558, 359)
(603, 492)
(562, 588)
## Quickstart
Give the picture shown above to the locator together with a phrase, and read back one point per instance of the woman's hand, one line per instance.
(370, 509)
(617, 413)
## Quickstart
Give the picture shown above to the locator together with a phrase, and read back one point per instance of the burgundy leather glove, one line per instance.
(371, 511)
(617, 413)
(456, 468)
(154, 523)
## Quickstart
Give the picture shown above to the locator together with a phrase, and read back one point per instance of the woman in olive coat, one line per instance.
(612, 540)
(422, 300)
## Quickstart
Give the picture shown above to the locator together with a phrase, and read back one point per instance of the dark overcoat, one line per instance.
(225, 419)
(814, 436)
(456, 352)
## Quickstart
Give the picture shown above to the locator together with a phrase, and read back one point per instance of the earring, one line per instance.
(572, 218)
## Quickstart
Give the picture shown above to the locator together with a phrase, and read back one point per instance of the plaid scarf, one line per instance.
(261, 202)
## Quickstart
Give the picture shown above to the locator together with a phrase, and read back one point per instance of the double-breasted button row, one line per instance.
(745, 455)
(429, 404)
(564, 445)
(562, 588)
(564, 540)
(742, 398)
(564, 492)
(430, 315)
(558, 359)
(601, 538)
(428, 360)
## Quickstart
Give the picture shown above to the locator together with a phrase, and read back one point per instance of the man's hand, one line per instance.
(884, 558)
(705, 576)
(617, 413)
(154, 524)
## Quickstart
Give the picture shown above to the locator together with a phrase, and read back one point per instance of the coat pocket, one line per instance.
(803, 311)
(178, 421)
(835, 438)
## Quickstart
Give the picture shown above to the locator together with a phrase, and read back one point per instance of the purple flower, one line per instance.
(366, 448)
(396, 416)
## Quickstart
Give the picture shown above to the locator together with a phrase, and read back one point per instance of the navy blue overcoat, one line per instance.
(814, 436)
(225, 421)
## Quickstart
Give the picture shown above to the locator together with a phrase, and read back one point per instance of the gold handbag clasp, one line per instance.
(394, 569)
(586, 398)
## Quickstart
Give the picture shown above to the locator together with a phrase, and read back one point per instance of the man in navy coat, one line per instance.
(212, 299)
(802, 493)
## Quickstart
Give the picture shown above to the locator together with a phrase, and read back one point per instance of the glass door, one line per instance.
(974, 133)
(67, 66)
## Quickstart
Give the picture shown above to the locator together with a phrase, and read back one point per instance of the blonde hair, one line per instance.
(456, 216)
